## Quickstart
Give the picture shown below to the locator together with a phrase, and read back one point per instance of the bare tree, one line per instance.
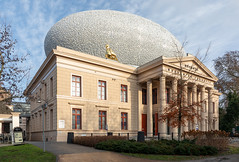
(12, 71)
(179, 111)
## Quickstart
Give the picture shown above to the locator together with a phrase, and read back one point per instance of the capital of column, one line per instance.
(162, 76)
(149, 81)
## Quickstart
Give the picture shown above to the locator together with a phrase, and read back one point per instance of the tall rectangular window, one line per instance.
(76, 118)
(124, 120)
(167, 95)
(124, 93)
(45, 91)
(102, 119)
(51, 119)
(45, 124)
(51, 87)
(168, 126)
(144, 96)
(102, 90)
(40, 94)
(154, 96)
(76, 86)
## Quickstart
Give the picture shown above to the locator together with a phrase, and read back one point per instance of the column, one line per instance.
(174, 98)
(189, 103)
(162, 96)
(203, 126)
(194, 102)
(198, 109)
(139, 107)
(185, 103)
(210, 107)
(149, 109)
(0, 128)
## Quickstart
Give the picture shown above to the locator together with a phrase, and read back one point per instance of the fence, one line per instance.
(139, 136)
(5, 138)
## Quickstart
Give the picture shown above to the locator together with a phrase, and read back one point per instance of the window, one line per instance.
(51, 87)
(102, 119)
(40, 93)
(144, 96)
(76, 86)
(76, 118)
(45, 121)
(155, 96)
(45, 91)
(101, 90)
(124, 120)
(124, 92)
(168, 126)
(213, 107)
(51, 119)
(167, 95)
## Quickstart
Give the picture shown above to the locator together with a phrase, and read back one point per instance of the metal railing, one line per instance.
(132, 135)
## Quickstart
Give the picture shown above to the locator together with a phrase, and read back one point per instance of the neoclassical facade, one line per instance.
(80, 88)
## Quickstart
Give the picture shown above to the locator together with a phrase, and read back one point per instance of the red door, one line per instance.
(144, 123)
(156, 123)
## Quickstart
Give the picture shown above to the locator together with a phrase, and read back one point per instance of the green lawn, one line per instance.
(24, 153)
(231, 150)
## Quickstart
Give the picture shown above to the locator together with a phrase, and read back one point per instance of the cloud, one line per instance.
(200, 21)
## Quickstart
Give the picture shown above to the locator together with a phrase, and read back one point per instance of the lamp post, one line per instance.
(43, 118)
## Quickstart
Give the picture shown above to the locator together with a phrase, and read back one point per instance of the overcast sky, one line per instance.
(197, 21)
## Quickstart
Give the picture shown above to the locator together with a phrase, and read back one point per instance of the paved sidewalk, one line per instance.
(77, 153)
(72, 152)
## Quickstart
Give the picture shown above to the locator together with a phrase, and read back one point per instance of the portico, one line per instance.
(163, 78)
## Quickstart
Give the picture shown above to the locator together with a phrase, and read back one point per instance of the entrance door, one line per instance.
(144, 123)
(156, 124)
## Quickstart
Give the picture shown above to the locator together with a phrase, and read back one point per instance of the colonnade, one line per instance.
(193, 93)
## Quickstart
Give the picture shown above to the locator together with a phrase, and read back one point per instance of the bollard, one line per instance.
(140, 137)
(128, 136)
(158, 136)
(172, 135)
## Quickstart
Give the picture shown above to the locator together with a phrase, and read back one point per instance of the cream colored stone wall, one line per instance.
(89, 103)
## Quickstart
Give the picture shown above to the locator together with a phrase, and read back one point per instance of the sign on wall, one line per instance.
(61, 123)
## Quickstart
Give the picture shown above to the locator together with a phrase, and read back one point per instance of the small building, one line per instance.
(24, 109)
(84, 88)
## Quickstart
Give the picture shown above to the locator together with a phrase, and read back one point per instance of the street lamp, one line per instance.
(43, 117)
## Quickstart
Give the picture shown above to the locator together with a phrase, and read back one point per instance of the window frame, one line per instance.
(101, 87)
(154, 95)
(101, 117)
(167, 91)
(80, 82)
(144, 96)
(122, 120)
(75, 114)
(124, 96)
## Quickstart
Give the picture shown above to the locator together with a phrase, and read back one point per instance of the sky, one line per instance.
(200, 23)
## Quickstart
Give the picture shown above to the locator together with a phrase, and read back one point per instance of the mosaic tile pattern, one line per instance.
(134, 39)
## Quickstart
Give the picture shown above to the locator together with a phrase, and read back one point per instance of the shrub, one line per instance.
(93, 140)
(163, 147)
(215, 138)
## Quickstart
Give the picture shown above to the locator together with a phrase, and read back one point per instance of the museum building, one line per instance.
(110, 71)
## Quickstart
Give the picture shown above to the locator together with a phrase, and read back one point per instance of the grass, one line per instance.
(25, 152)
(231, 150)
(164, 157)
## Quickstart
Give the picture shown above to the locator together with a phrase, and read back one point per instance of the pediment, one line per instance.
(193, 65)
